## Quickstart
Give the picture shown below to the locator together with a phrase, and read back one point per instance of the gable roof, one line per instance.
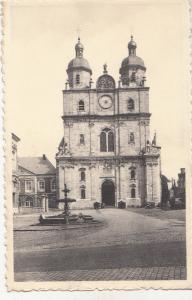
(37, 165)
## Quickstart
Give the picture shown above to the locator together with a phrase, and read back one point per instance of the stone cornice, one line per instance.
(127, 116)
(120, 158)
(119, 89)
(36, 175)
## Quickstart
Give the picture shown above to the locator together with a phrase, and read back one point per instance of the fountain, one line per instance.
(66, 217)
(66, 201)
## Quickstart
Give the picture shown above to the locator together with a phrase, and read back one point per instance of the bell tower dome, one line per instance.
(132, 69)
(79, 71)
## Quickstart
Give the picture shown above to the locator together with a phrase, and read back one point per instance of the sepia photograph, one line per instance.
(97, 144)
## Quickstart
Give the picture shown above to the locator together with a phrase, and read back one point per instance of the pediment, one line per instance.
(23, 171)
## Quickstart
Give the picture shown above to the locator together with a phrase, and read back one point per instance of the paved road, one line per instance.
(127, 240)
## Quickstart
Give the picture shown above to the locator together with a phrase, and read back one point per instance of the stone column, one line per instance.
(90, 137)
(153, 187)
(43, 203)
(61, 181)
(46, 204)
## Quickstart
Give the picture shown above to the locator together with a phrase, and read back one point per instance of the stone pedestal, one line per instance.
(45, 204)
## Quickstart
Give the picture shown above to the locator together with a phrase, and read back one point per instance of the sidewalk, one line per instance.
(155, 273)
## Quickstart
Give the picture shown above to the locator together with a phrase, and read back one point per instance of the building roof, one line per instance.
(132, 61)
(37, 165)
(79, 62)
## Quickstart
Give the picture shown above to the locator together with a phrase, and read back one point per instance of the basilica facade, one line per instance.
(106, 154)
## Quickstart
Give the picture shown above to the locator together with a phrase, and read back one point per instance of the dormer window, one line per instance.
(130, 104)
(77, 79)
(81, 105)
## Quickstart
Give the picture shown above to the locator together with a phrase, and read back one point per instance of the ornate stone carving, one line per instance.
(92, 165)
(91, 124)
(63, 149)
(68, 124)
(108, 165)
(133, 166)
(143, 122)
(69, 166)
(121, 124)
(105, 82)
(150, 149)
(121, 164)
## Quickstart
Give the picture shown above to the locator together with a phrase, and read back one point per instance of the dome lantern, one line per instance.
(79, 71)
(132, 46)
(79, 48)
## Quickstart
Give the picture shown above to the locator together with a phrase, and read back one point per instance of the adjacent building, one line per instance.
(177, 191)
(37, 184)
(181, 184)
(106, 153)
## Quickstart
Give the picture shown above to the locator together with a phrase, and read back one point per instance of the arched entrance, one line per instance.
(108, 193)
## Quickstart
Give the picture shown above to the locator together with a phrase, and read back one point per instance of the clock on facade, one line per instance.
(105, 102)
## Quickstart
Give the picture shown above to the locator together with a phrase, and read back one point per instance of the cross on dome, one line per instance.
(105, 69)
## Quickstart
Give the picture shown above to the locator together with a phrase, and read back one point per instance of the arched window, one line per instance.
(82, 175)
(82, 189)
(133, 76)
(110, 141)
(131, 137)
(133, 193)
(132, 174)
(103, 142)
(81, 105)
(131, 104)
(107, 140)
(77, 79)
(82, 139)
(53, 185)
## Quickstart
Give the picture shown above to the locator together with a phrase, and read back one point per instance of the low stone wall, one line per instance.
(87, 203)
(29, 210)
(82, 203)
(133, 202)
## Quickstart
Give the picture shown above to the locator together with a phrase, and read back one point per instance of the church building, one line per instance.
(106, 154)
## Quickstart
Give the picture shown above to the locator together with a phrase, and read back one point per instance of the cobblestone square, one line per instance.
(129, 245)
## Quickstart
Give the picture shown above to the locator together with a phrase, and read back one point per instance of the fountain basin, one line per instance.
(61, 219)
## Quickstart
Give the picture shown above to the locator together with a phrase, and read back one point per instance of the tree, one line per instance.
(164, 191)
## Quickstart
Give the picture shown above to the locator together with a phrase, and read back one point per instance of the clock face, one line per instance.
(105, 102)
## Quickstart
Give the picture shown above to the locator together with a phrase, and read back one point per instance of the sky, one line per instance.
(39, 43)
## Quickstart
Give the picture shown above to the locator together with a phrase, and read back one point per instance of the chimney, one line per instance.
(44, 156)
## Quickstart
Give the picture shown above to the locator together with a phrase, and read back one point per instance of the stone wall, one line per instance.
(119, 99)
(115, 166)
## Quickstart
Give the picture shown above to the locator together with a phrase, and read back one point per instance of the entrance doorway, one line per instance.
(108, 193)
